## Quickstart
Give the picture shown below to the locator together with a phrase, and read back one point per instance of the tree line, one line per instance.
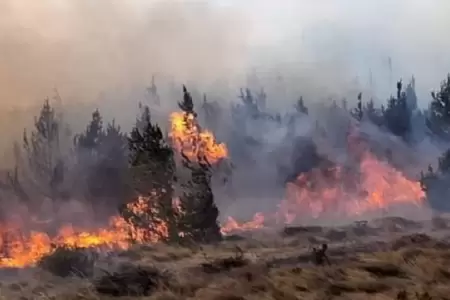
(109, 167)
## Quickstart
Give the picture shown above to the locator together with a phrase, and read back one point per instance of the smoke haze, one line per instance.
(86, 47)
(104, 53)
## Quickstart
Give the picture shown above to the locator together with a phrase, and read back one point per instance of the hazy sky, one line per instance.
(361, 35)
(85, 47)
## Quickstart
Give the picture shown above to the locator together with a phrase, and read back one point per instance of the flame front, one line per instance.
(23, 249)
(188, 138)
(374, 185)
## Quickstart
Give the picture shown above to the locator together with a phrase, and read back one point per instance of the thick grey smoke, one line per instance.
(365, 44)
(86, 47)
(104, 53)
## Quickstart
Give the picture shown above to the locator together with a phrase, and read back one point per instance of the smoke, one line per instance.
(104, 53)
(86, 47)
(365, 45)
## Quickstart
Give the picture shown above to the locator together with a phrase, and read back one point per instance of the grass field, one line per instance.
(388, 261)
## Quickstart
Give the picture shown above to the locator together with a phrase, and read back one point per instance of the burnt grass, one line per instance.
(382, 265)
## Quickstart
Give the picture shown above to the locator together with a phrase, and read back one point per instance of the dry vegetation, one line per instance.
(388, 265)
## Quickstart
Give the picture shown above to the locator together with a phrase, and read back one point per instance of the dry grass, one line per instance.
(279, 270)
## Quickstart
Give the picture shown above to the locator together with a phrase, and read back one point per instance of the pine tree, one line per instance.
(200, 212)
(438, 120)
(43, 154)
(153, 171)
(435, 184)
(373, 114)
(397, 114)
(300, 106)
(90, 140)
(102, 159)
(357, 112)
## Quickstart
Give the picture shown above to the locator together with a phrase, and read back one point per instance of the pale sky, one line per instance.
(85, 47)
(361, 34)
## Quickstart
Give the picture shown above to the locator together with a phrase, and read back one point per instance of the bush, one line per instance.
(65, 262)
(131, 280)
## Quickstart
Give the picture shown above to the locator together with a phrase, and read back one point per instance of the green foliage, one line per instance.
(40, 167)
(187, 105)
(439, 111)
(153, 171)
(65, 262)
(373, 114)
(93, 135)
(435, 183)
(42, 147)
(200, 213)
(397, 114)
(102, 157)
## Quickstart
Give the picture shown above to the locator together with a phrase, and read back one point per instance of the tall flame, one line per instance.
(336, 191)
(377, 185)
(188, 138)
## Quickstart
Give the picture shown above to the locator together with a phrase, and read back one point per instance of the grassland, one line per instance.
(391, 259)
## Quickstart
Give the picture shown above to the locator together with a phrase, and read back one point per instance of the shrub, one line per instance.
(131, 280)
(65, 262)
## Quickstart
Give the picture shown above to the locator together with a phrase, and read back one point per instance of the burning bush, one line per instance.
(65, 262)
(158, 216)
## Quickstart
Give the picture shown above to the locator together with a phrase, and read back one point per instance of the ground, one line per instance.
(390, 258)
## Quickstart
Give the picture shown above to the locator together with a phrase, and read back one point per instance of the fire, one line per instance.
(378, 186)
(373, 185)
(188, 138)
(232, 225)
(19, 249)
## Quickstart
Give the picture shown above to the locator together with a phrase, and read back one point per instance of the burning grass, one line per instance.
(270, 270)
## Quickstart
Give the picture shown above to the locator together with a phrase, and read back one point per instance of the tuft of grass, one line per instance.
(132, 280)
(226, 264)
(65, 262)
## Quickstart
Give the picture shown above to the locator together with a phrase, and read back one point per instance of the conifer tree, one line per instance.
(300, 106)
(397, 115)
(91, 138)
(44, 161)
(435, 184)
(374, 115)
(102, 158)
(357, 112)
(438, 120)
(200, 212)
(153, 171)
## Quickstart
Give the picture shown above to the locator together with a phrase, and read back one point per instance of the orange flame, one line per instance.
(190, 139)
(316, 193)
(337, 192)
(18, 249)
